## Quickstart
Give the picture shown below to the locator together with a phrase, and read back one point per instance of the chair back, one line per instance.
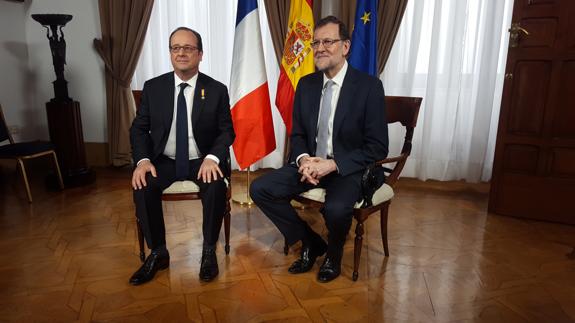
(4, 132)
(404, 110)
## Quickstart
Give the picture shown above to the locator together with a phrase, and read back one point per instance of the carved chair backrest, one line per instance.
(404, 110)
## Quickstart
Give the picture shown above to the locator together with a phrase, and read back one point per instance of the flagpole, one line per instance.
(241, 198)
(249, 94)
(295, 65)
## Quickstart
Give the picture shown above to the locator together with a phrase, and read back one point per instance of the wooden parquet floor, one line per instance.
(68, 256)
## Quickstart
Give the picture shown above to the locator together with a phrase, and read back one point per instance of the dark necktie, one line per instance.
(182, 150)
(323, 124)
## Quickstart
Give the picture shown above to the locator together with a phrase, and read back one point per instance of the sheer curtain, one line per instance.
(452, 53)
(215, 21)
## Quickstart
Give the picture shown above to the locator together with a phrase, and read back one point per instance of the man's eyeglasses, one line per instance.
(187, 49)
(327, 43)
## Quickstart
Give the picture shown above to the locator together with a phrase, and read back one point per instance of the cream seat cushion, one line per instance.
(184, 187)
(383, 194)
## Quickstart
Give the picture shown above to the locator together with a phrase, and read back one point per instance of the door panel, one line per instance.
(571, 36)
(534, 165)
(564, 115)
(541, 32)
(529, 96)
(521, 158)
(563, 162)
(536, 2)
(532, 190)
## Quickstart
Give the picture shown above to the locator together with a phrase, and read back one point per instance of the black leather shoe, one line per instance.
(307, 257)
(153, 263)
(209, 267)
(329, 270)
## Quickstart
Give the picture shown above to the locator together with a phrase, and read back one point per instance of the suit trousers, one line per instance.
(148, 202)
(273, 192)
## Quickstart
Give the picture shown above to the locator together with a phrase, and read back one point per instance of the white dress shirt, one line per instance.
(336, 89)
(170, 149)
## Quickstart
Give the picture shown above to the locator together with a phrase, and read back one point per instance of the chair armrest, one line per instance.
(376, 174)
(373, 177)
(390, 160)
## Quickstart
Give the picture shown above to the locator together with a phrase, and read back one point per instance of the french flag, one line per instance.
(249, 95)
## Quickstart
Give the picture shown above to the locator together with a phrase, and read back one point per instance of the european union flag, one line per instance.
(364, 37)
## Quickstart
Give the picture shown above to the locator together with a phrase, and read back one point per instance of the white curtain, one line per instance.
(452, 53)
(215, 21)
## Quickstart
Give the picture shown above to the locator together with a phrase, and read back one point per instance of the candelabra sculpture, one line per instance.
(64, 119)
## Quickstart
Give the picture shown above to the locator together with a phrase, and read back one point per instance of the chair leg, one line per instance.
(25, 177)
(227, 227)
(141, 240)
(357, 249)
(383, 225)
(60, 181)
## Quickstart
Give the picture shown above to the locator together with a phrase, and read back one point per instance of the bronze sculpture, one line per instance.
(53, 24)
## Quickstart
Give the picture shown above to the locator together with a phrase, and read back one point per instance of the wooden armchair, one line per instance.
(186, 190)
(398, 109)
(26, 150)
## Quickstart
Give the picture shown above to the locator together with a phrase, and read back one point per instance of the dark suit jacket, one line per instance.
(359, 125)
(211, 119)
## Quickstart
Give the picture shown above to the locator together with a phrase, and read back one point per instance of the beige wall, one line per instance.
(84, 69)
(27, 71)
(15, 97)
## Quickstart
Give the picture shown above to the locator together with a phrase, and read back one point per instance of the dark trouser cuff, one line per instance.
(160, 249)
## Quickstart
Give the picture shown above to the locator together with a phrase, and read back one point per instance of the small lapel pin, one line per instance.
(203, 96)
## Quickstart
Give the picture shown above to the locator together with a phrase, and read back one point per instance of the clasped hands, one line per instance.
(312, 169)
(209, 170)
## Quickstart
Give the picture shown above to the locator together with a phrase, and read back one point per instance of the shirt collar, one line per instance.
(338, 78)
(191, 82)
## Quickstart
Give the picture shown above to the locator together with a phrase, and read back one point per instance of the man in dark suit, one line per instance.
(182, 131)
(339, 128)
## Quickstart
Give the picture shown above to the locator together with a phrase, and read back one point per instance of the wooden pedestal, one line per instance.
(65, 126)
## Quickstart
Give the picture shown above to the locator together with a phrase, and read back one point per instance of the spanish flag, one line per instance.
(297, 60)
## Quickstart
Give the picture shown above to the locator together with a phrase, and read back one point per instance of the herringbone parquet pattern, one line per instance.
(68, 257)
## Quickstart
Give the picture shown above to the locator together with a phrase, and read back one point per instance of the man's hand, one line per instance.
(313, 169)
(139, 175)
(323, 167)
(305, 170)
(209, 171)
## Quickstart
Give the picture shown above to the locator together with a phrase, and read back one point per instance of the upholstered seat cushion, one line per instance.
(383, 194)
(182, 187)
(25, 149)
